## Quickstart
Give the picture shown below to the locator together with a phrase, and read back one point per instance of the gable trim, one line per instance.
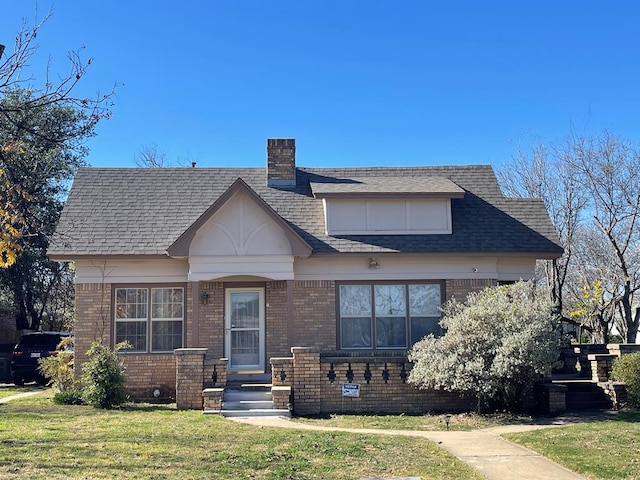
(180, 248)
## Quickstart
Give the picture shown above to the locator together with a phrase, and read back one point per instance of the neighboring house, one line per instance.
(250, 262)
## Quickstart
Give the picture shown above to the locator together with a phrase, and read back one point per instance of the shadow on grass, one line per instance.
(632, 416)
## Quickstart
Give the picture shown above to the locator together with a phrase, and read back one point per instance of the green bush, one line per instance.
(495, 346)
(627, 369)
(103, 376)
(58, 368)
(73, 396)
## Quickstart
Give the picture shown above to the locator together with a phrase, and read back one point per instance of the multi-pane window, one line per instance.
(388, 316)
(150, 319)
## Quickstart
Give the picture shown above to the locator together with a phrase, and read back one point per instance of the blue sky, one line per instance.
(356, 83)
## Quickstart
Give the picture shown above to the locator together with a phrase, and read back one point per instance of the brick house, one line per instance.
(247, 263)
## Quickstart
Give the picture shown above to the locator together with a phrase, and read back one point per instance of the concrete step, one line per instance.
(584, 395)
(256, 412)
(246, 404)
(248, 387)
(247, 395)
(587, 401)
(249, 399)
(233, 378)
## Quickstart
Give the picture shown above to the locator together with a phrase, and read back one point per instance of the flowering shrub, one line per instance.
(495, 346)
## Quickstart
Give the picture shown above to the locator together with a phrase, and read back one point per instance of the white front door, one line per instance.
(244, 327)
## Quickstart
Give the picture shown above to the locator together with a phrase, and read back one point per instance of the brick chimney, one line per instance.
(281, 162)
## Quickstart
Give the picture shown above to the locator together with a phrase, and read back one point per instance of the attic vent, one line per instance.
(281, 162)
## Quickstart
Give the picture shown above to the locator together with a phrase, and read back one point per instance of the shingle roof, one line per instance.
(125, 211)
(417, 185)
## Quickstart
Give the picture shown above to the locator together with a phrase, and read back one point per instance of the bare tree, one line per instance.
(591, 187)
(542, 173)
(13, 76)
(149, 156)
(610, 169)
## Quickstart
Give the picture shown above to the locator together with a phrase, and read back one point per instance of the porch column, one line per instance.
(306, 380)
(195, 315)
(291, 339)
(189, 377)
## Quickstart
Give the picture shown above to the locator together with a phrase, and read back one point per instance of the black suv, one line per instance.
(31, 348)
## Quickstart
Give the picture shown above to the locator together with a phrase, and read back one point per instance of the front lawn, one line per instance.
(460, 421)
(607, 449)
(41, 440)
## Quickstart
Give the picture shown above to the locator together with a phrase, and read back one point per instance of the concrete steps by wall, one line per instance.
(583, 394)
(249, 400)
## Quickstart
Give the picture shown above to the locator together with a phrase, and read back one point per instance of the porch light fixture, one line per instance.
(205, 298)
(373, 263)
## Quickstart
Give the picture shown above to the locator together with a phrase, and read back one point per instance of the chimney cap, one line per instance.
(281, 142)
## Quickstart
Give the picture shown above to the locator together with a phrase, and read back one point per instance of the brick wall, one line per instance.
(189, 377)
(313, 325)
(460, 288)
(314, 304)
(93, 319)
(145, 373)
(307, 394)
(277, 312)
(392, 395)
(211, 321)
(317, 385)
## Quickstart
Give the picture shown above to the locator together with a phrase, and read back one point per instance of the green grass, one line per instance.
(41, 440)
(607, 449)
(461, 421)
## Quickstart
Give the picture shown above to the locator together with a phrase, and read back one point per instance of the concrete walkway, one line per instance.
(485, 450)
(21, 395)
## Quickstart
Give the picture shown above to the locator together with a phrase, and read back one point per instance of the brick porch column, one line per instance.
(306, 380)
(189, 377)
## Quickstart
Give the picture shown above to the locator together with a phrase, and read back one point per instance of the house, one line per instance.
(248, 263)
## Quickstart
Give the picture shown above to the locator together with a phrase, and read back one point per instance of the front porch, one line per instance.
(312, 383)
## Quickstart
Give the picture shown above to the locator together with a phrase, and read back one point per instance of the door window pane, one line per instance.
(245, 347)
(245, 310)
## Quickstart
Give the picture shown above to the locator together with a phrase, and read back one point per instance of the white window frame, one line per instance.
(148, 320)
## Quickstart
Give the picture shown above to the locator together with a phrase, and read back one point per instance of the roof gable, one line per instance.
(180, 248)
